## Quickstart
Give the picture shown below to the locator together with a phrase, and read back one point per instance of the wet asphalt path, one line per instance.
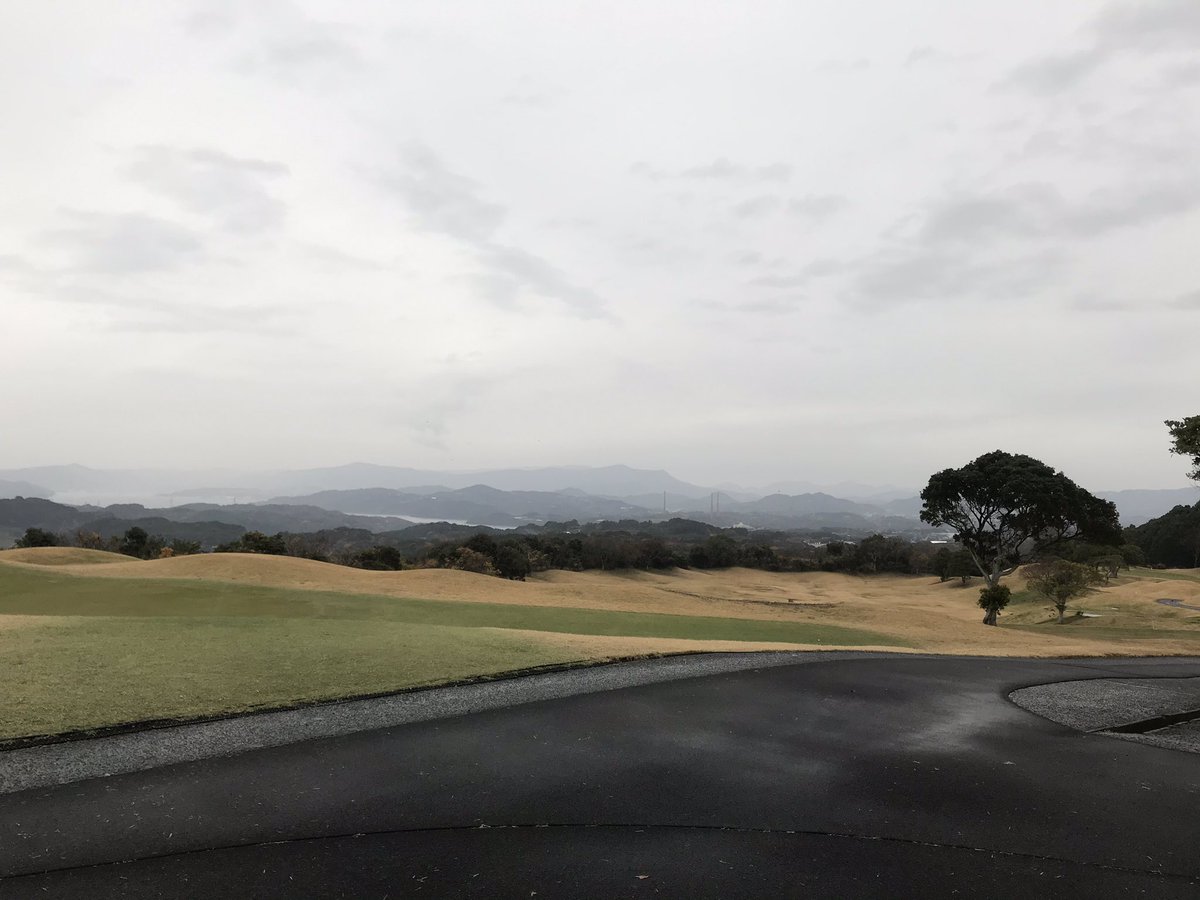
(861, 777)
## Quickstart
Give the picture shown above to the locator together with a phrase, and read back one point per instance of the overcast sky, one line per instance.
(752, 241)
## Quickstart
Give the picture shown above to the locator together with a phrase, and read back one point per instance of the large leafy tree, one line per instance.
(1007, 507)
(1185, 440)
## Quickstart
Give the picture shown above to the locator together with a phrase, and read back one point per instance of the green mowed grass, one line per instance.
(121, 650)
(26, 592)
(81, 673)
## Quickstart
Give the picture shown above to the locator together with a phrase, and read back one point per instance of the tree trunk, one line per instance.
(1061, 611)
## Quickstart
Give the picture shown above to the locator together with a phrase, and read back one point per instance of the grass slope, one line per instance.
(89, 639)
(29, 592)
(83, 652)
(80, 673)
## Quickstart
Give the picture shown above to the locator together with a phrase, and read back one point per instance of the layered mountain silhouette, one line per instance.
(385, 498)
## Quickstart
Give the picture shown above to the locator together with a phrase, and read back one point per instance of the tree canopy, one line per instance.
(1007, 507)
(1185, 440)
(37, 537)
(1060, 581)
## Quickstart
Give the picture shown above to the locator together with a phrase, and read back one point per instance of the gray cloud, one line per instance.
(821, 268)
(756, 207)
(294, 49)
(817, 206)
(1143, 27)
(1052, 74)
(780, 307)
(1123, 207)
(1188, 301)
(440, 200)
(208, 23)
(930, 55)
(133, 308)
(1022, 210)
(1180, 76)
(513, 272)
(443, 202)
(157, 319)
(1033, 210)
(229, 189)
(528, 99)
(1002, 244)
(124, 243)
(14, 265)
(430, 405)
(722, 169)
(780, 281)
(305, 52)
(1093, 304)
(754, 259)
(812, 206)
(1149, 26)
(768, 306)
(844, 65)
(920, 274)
(719, 170)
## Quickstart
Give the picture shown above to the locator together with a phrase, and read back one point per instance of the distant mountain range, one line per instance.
(356, 495)
(81, 483)
(1139, 507)
(207, 523)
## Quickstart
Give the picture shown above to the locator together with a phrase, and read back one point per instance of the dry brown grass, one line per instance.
(61, 556)
(937, 617)
(601, 647)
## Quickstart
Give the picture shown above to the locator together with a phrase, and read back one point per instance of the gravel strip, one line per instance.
(66, 762)
(1177, 737)
(1108, 702)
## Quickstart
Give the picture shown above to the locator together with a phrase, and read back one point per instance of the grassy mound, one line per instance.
(62, 556)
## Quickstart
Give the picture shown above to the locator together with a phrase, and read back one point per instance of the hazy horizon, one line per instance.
(848, 487)
(743, 243)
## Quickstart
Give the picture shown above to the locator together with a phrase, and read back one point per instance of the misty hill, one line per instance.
(611, 481)
(268, 518)
(389, 502)
(206, 534)
(83, 484)
(801, 505)
(477, 504)
(1172, 539)
(22, 489)
(1138, 507)
(31, 512)
(371, 497)
(215, 524)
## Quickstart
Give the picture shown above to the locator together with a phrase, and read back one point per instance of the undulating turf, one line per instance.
(106, 651)
(1175, 575)
(29, 592)
(78, 673)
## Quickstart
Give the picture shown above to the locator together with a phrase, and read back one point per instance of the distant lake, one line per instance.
(419, 520)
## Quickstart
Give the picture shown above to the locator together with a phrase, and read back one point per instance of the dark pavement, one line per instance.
(897, 777)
